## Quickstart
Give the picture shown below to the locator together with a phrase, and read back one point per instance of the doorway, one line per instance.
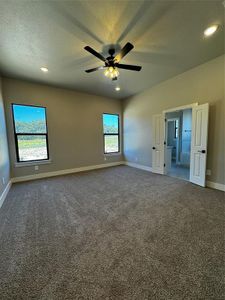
(190, 148)
(178, 143)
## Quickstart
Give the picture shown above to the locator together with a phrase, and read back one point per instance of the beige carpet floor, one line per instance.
(117, 233)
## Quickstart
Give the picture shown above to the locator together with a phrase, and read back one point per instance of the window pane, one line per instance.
(110, 123)
(111, 143)
(32, 147)
(29, 119)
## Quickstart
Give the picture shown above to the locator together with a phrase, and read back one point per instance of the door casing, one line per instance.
(189, 106)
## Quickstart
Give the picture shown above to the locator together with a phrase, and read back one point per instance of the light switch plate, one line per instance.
(208, 172)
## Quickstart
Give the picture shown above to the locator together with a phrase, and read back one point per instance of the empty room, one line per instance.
(112, 149)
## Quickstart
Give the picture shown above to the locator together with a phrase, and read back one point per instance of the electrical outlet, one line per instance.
(208, 172)
(36, 168)
(3, 180)
(105, 158)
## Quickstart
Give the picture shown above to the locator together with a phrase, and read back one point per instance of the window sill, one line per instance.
(32, 163)
(112, 154)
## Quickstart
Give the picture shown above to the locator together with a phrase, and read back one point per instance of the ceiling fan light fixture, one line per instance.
(111, 72)
(106, 72)
(111, 69)
(116, 73)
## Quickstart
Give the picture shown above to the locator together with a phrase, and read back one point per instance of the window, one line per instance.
(111, 133)
(31, 135)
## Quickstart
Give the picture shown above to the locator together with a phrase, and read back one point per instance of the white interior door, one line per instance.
(199, 144)
(158, 144)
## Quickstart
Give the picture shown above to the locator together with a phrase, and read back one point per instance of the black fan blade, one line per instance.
(128, 67)
(94, 69)
(92, 51)
(126, 49)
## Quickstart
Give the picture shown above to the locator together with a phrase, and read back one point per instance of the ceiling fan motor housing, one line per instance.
(111, 52)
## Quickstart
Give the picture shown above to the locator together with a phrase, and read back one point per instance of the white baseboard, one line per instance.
(5, 193)
(210, 184)
(138, 166)
(64, 172)
(217, 186)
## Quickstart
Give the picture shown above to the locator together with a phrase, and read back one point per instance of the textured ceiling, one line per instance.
(167, 35)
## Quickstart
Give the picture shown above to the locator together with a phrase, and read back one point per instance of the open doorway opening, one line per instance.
(178, 143)
(186, 156)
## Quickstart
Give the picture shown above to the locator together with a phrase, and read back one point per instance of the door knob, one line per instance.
(201, 151)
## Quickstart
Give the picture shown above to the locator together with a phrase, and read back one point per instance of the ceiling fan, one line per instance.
(112, 63)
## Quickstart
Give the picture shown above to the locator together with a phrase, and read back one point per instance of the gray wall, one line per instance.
(4, 157)
(202, 84)
(74, 124)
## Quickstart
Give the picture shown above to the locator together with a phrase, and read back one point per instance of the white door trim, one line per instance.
(188, 106)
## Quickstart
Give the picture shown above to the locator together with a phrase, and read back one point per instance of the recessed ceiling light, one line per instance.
(210, 30)
(117, 88)
(44, 69)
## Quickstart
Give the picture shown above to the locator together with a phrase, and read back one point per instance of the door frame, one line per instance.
(183, 107)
